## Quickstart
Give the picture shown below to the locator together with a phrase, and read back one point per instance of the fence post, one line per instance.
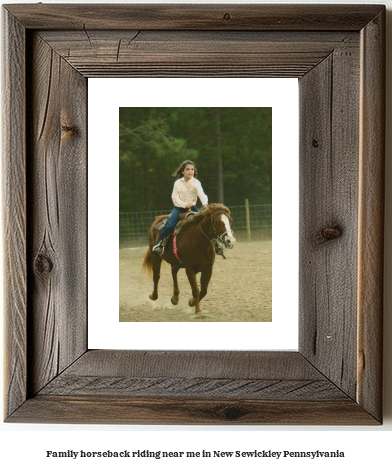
(247, 219)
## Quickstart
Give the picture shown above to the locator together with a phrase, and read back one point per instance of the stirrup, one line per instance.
(158, 249)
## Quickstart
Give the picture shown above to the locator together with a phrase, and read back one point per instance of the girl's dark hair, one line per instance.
(180, 169)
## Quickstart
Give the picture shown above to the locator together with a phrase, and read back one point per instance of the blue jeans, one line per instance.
(172, 221)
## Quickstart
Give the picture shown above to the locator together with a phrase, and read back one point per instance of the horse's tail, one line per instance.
(147, 262)
(152, 239)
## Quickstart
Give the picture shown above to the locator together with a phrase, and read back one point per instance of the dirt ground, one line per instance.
(240, 289)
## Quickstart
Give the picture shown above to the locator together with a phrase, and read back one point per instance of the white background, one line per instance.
(105, 332)
(367, 448)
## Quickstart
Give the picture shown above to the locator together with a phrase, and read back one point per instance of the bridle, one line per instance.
(219, 237)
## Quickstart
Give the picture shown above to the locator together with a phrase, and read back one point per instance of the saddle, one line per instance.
(182, 217)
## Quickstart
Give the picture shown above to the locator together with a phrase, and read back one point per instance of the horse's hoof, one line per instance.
(152, 298)
(191, 304)
(174, 302)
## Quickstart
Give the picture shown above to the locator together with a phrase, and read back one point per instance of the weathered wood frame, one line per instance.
(337, 52)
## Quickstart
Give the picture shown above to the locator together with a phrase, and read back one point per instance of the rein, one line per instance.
(218, 237)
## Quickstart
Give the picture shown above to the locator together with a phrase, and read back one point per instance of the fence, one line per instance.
(250, 222)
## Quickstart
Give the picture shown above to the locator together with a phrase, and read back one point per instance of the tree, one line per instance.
(231, 146)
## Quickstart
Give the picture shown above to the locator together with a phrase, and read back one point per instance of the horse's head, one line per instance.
(222, 225)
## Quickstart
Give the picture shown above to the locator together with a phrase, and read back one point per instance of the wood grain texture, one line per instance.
(154, 411)
(205, 374)
(335, 378)
(207, 364)
(189, 53)
(14, 208)
(58, 215)
(329, 203)
(192, 387)
(195, 17)
(371, 216)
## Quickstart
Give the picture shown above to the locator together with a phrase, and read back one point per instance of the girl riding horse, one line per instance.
(194, 250)
(186, 190)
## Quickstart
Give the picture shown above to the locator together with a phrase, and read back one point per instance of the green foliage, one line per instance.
(153, 142)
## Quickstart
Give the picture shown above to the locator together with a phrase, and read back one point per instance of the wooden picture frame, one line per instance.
(337, 52)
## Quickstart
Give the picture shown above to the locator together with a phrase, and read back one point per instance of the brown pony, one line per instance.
(196, 238)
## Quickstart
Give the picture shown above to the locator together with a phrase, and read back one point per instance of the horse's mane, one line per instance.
(199, 216)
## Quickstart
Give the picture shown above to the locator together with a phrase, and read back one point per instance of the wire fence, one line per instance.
(250, 222)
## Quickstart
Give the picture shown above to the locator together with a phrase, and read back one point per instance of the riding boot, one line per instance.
(159, 248)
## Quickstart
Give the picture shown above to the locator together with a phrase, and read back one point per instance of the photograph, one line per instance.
(195, 214)
(179, 176)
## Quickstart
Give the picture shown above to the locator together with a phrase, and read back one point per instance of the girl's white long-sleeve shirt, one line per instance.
(187, 192)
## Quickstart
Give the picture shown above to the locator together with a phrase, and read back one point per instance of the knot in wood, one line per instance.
(315, 143)
(328, 233)
(43, 264)
(227, 16)
(232, 412)
(69, 128)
